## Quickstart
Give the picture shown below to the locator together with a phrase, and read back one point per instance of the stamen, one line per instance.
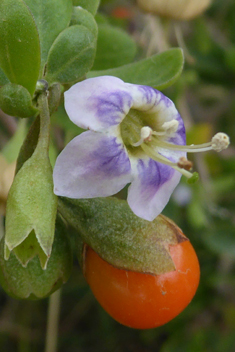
(219, 142)
(169, 127)
(184, 163)
(160, 158)
(146, 132)
(145, 136)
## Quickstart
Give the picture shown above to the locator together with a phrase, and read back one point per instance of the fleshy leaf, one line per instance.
(84, 18)
(71, 56)
(120, 237)
(159, 71)
(19, 44)
(33, 282)
(15, 100)
(89, 5)
(114, 48)
(51, 17)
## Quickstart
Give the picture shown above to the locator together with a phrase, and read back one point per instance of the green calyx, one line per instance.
(120, 237)
(31, 205)
(32, 282)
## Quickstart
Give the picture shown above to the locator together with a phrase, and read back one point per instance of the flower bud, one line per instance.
(174, 9)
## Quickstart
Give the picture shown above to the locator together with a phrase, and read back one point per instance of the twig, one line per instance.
(53, 322)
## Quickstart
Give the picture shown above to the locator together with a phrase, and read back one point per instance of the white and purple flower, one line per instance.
(135, 136)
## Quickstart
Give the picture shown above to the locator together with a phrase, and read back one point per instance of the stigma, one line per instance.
(151, 140)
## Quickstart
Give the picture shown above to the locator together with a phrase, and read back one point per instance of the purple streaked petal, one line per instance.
(91, 165)
(144, 98)
(98, 103)
(150, 100)
(151, 189)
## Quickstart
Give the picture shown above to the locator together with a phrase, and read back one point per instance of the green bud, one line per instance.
(15, 100)
(120, 237)
(33, 282)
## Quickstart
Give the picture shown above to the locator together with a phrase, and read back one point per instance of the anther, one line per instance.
(184, 163)
(170, 127)
(145, 136)
(220, 141)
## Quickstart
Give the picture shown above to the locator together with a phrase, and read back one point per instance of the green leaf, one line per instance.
(19, 44)
(33, 282)
(51, 17)
(158, 71)
(15, 100)
(89, 5)
(84, 18)
(114, 48)
(120, 237)
(71, 56)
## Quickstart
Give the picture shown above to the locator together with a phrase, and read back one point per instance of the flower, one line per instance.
(135, 136)
(175, 9)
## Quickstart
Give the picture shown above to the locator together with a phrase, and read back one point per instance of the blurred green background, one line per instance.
(204, 95)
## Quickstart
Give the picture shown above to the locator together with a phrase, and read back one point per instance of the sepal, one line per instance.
(31, 205)
(33, 282)
(121, 238)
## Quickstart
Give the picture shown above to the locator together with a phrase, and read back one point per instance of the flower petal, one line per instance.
(149, 99)
(151, 189)
(91, 165)
(156, 107)
(98, 103)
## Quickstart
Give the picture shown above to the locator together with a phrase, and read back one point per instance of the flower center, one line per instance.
(138, 135)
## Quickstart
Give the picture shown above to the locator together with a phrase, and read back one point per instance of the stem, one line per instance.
(181, 43)
(52, 322)
(44, 134)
